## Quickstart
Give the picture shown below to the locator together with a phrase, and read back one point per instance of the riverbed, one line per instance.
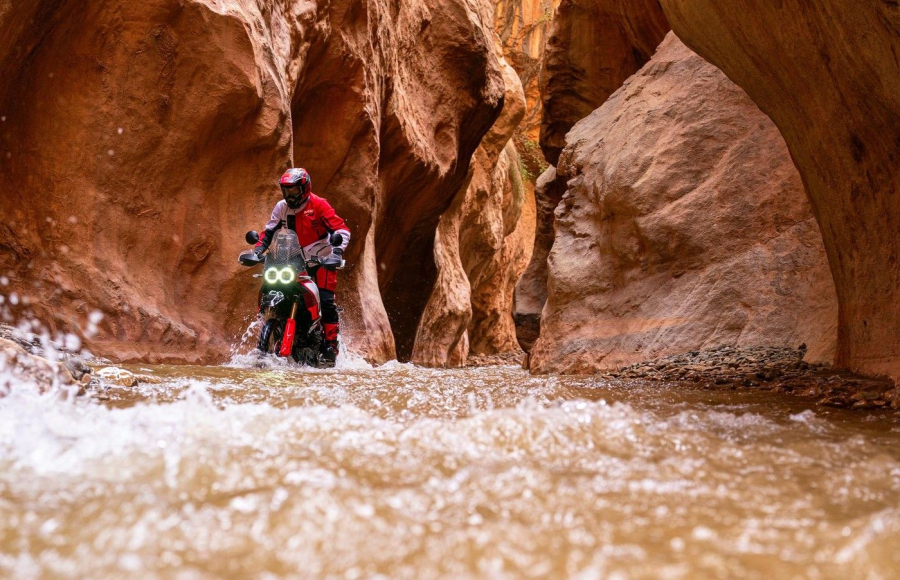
(401, 472)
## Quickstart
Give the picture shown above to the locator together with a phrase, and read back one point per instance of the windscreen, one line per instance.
(285, 250)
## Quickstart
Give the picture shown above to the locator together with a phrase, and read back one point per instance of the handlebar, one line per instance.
(250, 258)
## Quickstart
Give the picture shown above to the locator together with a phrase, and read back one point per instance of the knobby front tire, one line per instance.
(270, 336)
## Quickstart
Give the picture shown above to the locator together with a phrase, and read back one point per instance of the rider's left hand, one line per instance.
(333, 261)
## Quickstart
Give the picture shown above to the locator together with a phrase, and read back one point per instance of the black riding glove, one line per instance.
(337, 251)
(259, 251)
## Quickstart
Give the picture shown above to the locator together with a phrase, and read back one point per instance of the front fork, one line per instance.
(290, 329)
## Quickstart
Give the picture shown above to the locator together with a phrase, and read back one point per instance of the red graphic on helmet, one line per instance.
(296, 186)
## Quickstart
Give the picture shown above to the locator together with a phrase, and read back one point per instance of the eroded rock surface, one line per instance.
(139, 141)
(594, 46)
(498, 251)
(483, 245)
(531, 289)
(684, 226)
(827, 74)
(523, 27)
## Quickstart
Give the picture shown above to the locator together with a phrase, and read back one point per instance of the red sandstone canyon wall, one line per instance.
(684, 225)
(593, 47)
(140, 140)
(828, 75)
(483, 245)
(523, 27)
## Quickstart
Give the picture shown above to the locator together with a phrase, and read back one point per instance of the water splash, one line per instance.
(401, 472)
(244, 355)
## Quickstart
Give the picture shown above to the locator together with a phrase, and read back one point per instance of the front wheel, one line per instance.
(270, 336)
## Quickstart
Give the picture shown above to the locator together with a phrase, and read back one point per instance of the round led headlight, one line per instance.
(271, 275)
(286, 276)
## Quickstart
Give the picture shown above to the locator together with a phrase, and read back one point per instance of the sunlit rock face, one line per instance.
(684, 225)
(828, 75)
(523, 27)
(593, 47)
(140, 140)
(482, 246)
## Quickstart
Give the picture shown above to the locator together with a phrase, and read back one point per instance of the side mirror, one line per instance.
(337, 239)
(252, 237)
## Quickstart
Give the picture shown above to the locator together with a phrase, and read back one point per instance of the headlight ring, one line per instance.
(271, 275)
(287, 275)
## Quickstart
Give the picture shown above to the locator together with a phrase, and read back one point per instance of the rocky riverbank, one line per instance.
(780, 370)
(770, 369)
(29, 358)
(493, 360)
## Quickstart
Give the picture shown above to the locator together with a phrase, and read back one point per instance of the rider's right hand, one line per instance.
(258, 250)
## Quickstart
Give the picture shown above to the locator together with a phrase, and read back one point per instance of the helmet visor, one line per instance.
(294, 195)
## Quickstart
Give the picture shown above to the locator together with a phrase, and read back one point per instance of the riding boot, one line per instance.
(331, 350)
(331, 346)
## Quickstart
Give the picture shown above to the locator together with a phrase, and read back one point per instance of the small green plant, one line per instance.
(531, 158)
(523, 170)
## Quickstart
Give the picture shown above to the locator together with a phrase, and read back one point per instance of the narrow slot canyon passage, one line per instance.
(618, 299)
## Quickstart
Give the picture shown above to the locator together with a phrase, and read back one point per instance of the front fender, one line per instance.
(271, 299)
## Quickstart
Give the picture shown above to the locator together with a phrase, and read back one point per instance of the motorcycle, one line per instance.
(289, 300)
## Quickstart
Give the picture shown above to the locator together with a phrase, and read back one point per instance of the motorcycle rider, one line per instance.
(314, 221)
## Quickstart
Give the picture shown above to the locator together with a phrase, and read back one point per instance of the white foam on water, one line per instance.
(257, 360)
(347, 359)
(428, 473)
(809, 418)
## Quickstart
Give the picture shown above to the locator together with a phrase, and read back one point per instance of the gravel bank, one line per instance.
(769, 369)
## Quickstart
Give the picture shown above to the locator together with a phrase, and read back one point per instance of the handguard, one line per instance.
(250, 258)
(333, 262)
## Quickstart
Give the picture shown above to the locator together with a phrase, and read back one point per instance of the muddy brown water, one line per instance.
(402, 472)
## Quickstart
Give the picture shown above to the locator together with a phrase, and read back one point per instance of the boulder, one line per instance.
(116, 376)
(827, 74)
(18, 367)
(684, 226)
